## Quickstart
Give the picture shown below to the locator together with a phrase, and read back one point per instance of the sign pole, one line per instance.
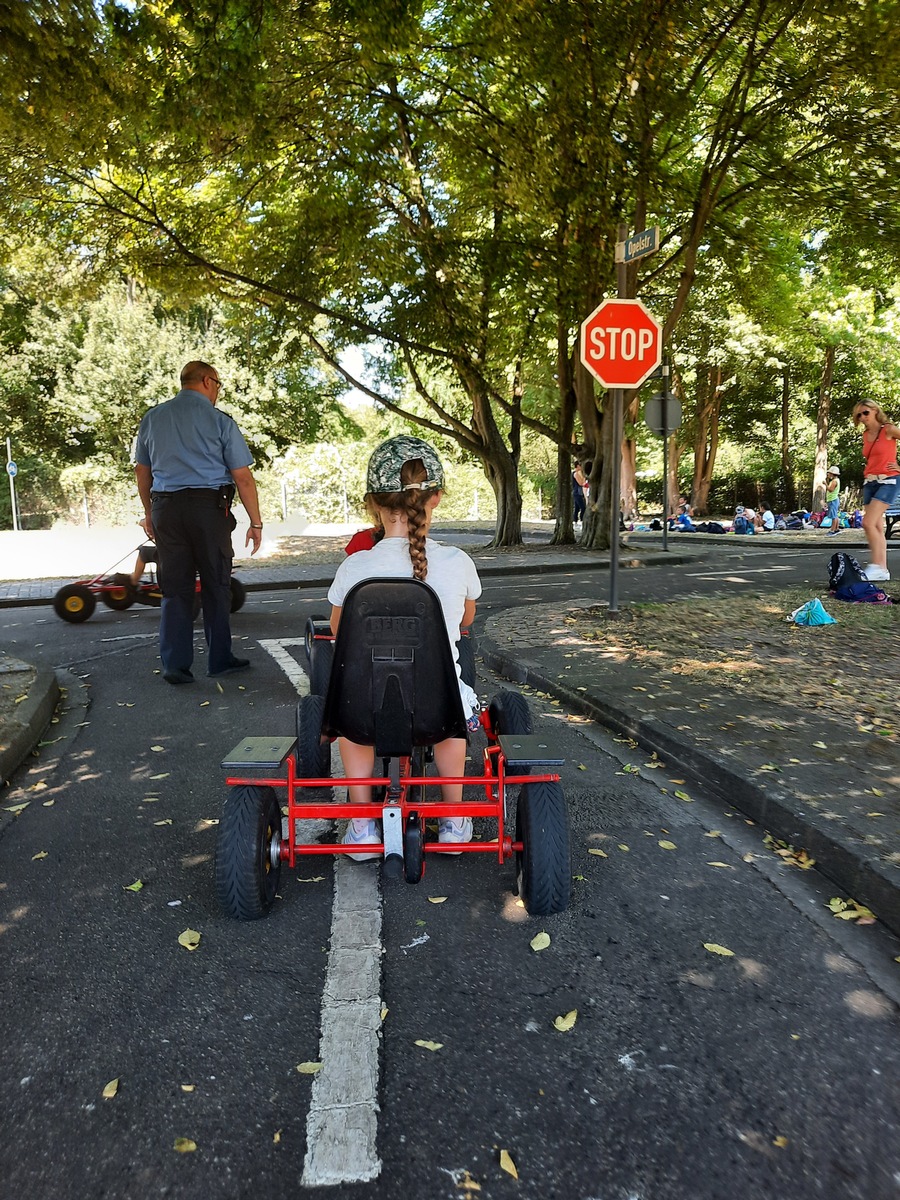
(665, 436)
(617, 396)
(10, 465)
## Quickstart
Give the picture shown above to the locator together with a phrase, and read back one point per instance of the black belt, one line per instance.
(185, 492)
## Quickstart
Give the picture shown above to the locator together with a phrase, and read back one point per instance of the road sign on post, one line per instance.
(621, 343)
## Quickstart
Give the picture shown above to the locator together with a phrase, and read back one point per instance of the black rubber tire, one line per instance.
(313, 755)
(120, 597)
(509, 713)
(321, 656)
(309, 633)
(238, 594)
(414, 849)
(74, 603)
(544, 864)
(246, 877)
(466, 647)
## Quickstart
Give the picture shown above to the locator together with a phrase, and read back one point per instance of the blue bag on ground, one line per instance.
(811, 613)
(862, 592)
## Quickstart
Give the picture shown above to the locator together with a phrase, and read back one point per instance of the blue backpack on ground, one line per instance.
(848, 582)
(742, 525)
(844, 569)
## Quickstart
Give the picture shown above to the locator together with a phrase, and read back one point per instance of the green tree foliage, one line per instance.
(444, 182)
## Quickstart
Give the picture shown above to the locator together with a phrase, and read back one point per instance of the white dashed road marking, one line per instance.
(342, 1123)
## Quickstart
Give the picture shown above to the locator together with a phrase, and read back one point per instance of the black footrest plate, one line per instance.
(528, 750)
(263, 752)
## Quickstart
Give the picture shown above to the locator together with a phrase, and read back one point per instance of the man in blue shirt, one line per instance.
(189, 458)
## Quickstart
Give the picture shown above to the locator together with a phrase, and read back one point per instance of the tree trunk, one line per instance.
(788, 499)
(823, 417)
(563, 531)
(597, 431)
(706, 435)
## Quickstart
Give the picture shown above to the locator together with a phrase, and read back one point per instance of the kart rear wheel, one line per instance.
(74, 603)
(313, 755)
(543, 865)
(509, 713)
(238, 594)
(118, 597)
(248, 862)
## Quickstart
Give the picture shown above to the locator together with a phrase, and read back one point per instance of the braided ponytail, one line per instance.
(412, 504)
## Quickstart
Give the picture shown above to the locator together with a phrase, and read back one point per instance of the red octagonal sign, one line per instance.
(621, 343)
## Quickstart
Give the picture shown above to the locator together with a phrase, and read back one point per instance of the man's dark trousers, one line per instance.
(193, 535)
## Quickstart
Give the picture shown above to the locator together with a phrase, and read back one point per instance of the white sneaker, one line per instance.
(455, 829)
(875, 573)
(361, 831)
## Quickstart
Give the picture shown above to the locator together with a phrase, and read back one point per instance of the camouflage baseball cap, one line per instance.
(387, 462)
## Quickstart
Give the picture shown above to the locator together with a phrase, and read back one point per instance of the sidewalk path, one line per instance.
(816, 784)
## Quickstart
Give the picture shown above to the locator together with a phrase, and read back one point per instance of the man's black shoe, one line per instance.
(179, 676)
(236, 664)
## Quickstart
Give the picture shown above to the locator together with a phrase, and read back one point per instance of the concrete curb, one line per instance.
(31, 719)
(629, 560)
(863, 876)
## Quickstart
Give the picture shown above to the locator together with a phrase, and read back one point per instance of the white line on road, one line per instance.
(736, 571)
(342, 1122)
(288, 663)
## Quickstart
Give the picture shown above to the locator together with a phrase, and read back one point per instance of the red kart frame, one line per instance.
(252, 847)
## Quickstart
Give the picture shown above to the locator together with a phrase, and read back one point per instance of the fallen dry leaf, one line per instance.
(165, 821)
(158, 749)
(184, 1145)
(507, 1164)
(728, 866)
(133, 887)
(190, 939)
(540, 941)
(780, 1142)
(309, 1068)
(40, 854)
(663, 845)
(188, 1087)
(276, 1137)
(436, 899)
(599, 853)
(110, 1090)
(564, 1024)
(715, 948)
(430, 1045)
(165, 775)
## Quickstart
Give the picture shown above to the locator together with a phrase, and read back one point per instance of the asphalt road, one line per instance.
(687, 1073)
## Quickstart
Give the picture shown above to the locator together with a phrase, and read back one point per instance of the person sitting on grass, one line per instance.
(405, 483)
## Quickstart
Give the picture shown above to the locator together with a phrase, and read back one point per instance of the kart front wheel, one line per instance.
(509, 713)
(544, 864)
(74, 603)
(313, 754)
(248, 852)
(238, 594)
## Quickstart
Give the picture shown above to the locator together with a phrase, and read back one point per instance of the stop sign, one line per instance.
(621, 343)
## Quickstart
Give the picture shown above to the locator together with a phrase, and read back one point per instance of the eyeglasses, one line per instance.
(864, 412)
(216, 381)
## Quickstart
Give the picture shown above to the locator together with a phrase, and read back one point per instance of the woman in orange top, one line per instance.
(881, 477)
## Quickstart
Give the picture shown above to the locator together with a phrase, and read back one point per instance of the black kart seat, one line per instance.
(393, 681)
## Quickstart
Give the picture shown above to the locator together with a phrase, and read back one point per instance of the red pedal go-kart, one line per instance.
(76, 601)
(392, 685)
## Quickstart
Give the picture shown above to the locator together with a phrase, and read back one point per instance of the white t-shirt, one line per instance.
(768, 520)
(451, 574)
